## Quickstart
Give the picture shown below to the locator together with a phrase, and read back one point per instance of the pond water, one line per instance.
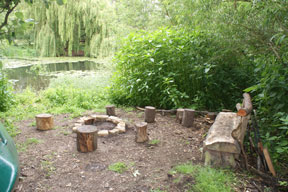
(38, 76)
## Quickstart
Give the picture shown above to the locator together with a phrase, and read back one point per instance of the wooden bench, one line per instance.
(224, 140)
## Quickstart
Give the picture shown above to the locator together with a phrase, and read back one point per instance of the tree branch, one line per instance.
(9, 11)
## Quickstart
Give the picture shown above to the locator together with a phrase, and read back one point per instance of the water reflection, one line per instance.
(38, 77)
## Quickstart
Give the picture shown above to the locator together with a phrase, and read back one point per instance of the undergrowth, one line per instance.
(206, 179)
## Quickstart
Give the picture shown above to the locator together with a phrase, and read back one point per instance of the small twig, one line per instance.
(259, 189)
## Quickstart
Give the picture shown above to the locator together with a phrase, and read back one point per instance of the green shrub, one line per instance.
(6, 96)
(172, 68)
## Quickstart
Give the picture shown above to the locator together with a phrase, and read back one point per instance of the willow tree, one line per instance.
(84, 25)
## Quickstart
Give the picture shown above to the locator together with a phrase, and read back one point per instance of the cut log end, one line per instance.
(242, 112)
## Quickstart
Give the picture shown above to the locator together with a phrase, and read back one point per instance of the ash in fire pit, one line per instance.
(105, 124)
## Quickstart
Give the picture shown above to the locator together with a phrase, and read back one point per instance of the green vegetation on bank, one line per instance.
(66, 94)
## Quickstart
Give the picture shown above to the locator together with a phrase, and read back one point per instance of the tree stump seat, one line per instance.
(87, 138)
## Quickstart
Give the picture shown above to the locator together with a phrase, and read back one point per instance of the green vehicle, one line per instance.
(9, 162)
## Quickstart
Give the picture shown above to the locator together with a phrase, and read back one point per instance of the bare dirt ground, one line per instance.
(54, 164)
(50, 161)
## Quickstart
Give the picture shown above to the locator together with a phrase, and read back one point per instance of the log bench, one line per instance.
(224, 141)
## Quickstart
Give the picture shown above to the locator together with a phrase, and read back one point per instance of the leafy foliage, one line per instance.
(6, 97)
(66, 29)
(172, 68)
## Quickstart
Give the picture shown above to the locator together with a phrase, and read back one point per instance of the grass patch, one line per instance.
(154, 142)
(118, 167)
(206, 179)
(24, 146)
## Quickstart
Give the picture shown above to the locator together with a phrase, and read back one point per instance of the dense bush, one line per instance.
(176, 68)
(6, 96)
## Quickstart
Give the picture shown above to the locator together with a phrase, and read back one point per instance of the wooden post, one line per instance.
(179, 115)
(269, 162)
(87, 138)
(150, 113)
(141, 132)
(247, 106)
(44, 122)
(110, 110)
(188, 118)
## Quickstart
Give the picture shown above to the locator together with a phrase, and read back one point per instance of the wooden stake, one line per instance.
(44, 122)
(269, 162)
(87, 138)
(188, 118)
(141, 132)
(150, 113)
(110, 110)
(179, 115)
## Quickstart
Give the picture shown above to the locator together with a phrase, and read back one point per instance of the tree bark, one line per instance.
(247, 106)
(87, 138)
(44, 122)
(141, 132)
(179, 115)
(150, 113)
(110, 110)
(188, 118)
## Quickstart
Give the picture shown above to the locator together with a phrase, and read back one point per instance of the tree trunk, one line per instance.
(150, 113)
(110, 110)
(44, 122)
(188, 118)
(179, 115)
(247, 106)
(141, 132)
(87, 138)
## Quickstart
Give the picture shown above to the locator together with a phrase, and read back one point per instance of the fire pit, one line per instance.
(106, 125)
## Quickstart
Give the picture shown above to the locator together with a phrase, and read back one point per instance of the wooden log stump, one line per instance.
(44, 122)
(150, 113)
(87, 138)
(188, 118)
(141, 132)
(179, 115)
(110, 110)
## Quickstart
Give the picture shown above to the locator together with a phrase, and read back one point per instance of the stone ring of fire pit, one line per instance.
(120, 126)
